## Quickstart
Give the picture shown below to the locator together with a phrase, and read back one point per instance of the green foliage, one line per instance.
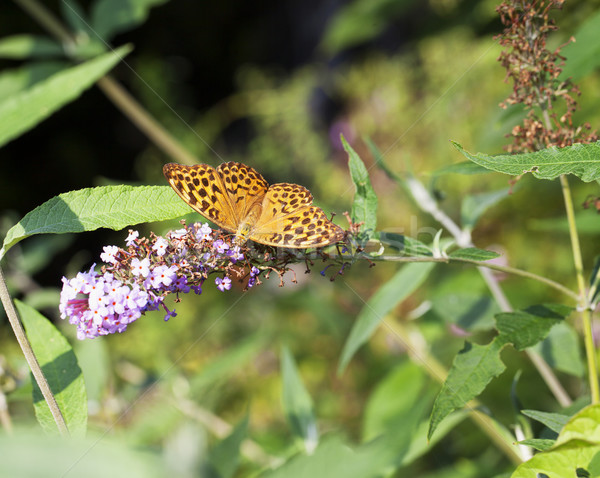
(225, 456)
(60, 367)
(476, 365)
(20, 47)
(581, 160)
(583, 54)
(574, 453)
(374, 311)
(297, 404)
(364, 208)
(554, 421)
(26, 109)
(113, 207)
(473, 254)
(473, 206)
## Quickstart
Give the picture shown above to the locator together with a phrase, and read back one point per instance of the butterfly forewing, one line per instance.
(237, 198)
(202, 188)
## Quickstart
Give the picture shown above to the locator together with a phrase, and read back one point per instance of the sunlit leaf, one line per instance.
(388, 296)
(364, 208)
(12, 81)
(297, 404)
(582, 160)
(470, 312)
(112, 207)
(539, 444)
(26, 109)
(59, 364)
(584, 426)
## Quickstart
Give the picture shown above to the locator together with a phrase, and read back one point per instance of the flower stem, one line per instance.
(586, 313)
(32, 361)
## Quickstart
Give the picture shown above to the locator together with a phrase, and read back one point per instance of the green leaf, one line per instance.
(466, 167)
(582, 160)
(388, 296)
(113, 207)
(31, 454)
(359, 21)
(473, 254)
(470, 312)
(59, 364)
(404, 244)
(473, 368)
(540, 444)
(224, 458)
(566, 461)
(526, 328)
(554, 421)
(561, 350)
(583, 55)
(575, 452)
(26, 109)
(473, 206)
(21, 47)
(16, 80)
(586, 222)
(110, 17)
(297, 404)
(364, 208)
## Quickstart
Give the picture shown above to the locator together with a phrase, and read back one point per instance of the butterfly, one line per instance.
(236, 198)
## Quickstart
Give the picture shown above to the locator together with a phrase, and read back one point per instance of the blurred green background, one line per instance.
(273, 84)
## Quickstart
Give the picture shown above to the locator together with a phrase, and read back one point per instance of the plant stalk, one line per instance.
(588, 339)
(36, 370)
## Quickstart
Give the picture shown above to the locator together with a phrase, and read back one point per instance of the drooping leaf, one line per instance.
(297, 404)
(224, 458)
(26, 109)
(109, 17)
(554, 421)
(59, 364)
(364, 208)
(21, 47)
(388, 296)
(473, 254)
(113, 207)
(526, 328)
(473, 368)
(582, 160)
(473, 206)
(404, 244)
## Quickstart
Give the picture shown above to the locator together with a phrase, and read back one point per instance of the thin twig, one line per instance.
(32, 361)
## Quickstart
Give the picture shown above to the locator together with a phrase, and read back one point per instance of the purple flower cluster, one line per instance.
(137, 280)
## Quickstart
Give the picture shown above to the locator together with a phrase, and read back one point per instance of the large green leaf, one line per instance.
(59, 364)
(20, 47)
(297, 404)
(26, 109)
(113, 207)
(15, 80)
(388, 296)
(561, 350)
(110, 17)
(473, 368)
(364, 208)
(582, 160)
(575, 452)
(526, 328)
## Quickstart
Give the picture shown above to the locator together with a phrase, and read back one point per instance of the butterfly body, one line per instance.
(237, 198)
